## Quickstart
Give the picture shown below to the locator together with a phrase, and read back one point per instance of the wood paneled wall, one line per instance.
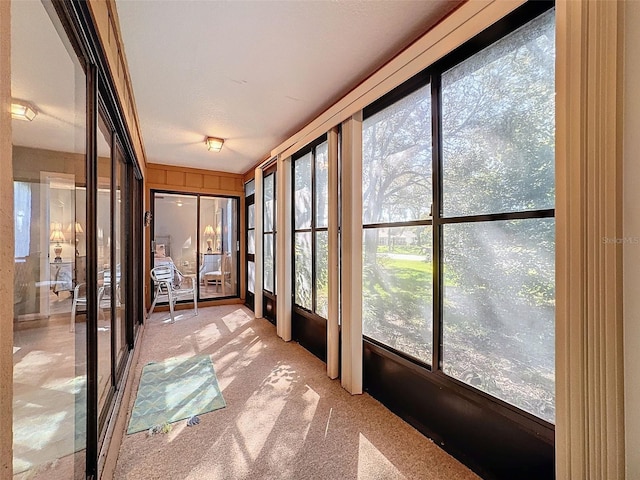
(167, 177)
(105, 17)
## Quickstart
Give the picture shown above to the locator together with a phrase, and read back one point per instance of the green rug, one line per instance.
(175, 390)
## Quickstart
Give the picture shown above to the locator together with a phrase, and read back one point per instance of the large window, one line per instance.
(269, 232)
(310, 206)
(397, 196)
(459, 239)
(250, 214)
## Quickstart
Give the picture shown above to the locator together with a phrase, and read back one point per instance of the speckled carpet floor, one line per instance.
(284, 419)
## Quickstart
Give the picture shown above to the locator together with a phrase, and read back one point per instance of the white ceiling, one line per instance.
(253, 72)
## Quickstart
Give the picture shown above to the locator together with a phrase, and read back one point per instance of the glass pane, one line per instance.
(322, 184)
(302, 192)
(175, 231)
(498, 310)
(269, 201)
(396, 161)
(251, 277)
(302, 268)
(119, 288)
(49, 334)
(251, 214)
(397, 289)
(251, 242)
(498, 125)
(322, 274)
(268, 262)
(217, 269)
(104, 266)
(249, 188)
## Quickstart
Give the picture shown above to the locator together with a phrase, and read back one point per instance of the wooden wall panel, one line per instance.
(194, 180)
(184, 179)
(105, 17)
(175, 178)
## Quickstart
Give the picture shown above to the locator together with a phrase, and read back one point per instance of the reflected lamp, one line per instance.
(57, 236)
(208, 231)
(21, 110)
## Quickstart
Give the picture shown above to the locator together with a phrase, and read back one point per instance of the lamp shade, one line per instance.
(57, 236)
(208, 230)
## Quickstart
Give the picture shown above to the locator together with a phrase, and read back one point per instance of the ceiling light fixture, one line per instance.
(21, 110)
(214, 144)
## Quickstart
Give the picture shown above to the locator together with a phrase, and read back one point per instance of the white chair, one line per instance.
(79, 298)
(169, 283)
(104, 296)
(220, 276)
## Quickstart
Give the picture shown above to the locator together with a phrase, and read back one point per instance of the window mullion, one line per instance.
(313, 231)
(436, 211)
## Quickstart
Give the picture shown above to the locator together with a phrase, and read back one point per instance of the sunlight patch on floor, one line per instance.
(373, 464)
(236, 319)
(266, 403)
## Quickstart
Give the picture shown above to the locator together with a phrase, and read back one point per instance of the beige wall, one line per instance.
(6, 246)
(631, 255)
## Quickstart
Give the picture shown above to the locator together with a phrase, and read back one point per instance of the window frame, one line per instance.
(432, 75)
(270, 172)
(312, 229)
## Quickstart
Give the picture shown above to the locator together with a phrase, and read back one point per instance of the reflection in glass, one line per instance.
(105, 278)
(396, 161)
(303, 272)
(498, 125)
(251, 242)
(251, 276)
(249, 188)
(175, 221)
(251, 221)
(322, 185)
(498, 312)
(119, 287)
(302, 192)
(217, 271)
(268, 262)
(49, 342)
(322, 274)
(269, 232)
(269, 203)
(397, 297)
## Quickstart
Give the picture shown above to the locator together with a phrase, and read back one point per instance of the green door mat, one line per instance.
(173, 390)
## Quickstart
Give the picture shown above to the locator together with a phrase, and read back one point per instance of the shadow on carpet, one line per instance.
(173, 390)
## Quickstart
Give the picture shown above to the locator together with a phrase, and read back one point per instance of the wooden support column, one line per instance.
(352, 254)
(589, 360)
(333, 327)
(284, 250)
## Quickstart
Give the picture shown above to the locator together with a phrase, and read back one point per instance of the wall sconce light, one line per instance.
(57, 236)
(214, 144)
(208, 230)
(21, 110)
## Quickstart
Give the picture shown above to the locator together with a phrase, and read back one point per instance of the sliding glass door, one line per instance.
(198, 235)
